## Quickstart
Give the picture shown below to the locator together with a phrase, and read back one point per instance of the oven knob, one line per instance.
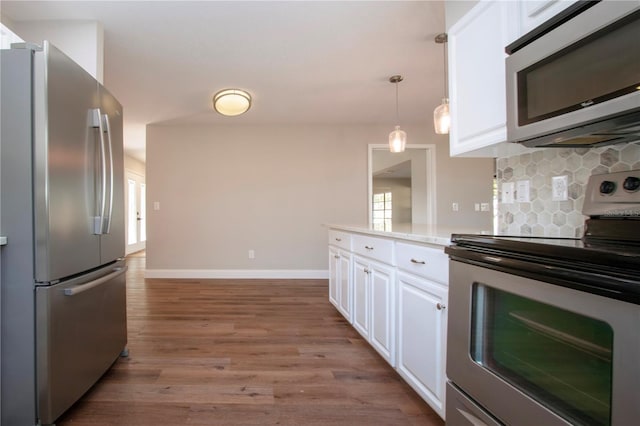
(607, 187)
(631, 184)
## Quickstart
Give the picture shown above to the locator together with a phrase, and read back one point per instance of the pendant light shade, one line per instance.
(397, 138)
(441, 117)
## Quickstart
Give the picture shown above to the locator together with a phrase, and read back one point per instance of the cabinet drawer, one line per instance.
(375, 248)
(423, 261)
(340, 239)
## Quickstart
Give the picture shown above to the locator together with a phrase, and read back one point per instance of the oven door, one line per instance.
(531, 352)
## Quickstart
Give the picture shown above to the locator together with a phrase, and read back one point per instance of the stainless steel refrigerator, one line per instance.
(63, 313)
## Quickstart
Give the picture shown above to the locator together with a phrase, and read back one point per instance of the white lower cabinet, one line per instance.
(374, 305)
(340, 281)
(394, 293)
(422, 325)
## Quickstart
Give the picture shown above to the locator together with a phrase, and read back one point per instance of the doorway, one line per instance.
(135, 205)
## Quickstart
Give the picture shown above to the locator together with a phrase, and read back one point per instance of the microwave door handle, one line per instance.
(107, 223)
(99, 221)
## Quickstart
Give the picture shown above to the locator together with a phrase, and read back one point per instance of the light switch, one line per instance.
(522, 191)
(507, 193)
(156, 205)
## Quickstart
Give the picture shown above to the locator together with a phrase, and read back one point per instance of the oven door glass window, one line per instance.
(559, 358)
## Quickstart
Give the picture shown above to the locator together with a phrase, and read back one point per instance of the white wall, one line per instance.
(134, 165)
(400, 189)
(225, 190)
(82, 41)
(455, 9)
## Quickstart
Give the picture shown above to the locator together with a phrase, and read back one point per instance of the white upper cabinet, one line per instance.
(535, 12)
(477, 77)
(477, 72)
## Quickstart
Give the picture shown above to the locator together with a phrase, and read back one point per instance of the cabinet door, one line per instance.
(334, 271)
(361, 291)
(383, 310)
(344, 284)
(536, 12)
(422, 334)
(477, 78)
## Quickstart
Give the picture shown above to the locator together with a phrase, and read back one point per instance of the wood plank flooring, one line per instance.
(244, 352)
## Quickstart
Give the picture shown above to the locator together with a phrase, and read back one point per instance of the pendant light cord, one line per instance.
(397, 114)
(443, 39)
(446, 74)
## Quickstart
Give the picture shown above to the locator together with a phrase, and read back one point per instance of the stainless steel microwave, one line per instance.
(575, 80)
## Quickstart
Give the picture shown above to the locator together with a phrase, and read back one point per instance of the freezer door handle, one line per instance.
(102, 205)
(95, 283)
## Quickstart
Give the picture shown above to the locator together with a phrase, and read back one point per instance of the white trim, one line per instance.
(237, 273)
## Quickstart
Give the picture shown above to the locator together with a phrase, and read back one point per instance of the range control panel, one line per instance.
(613, 194)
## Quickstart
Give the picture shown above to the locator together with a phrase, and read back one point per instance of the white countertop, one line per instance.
(428, 234)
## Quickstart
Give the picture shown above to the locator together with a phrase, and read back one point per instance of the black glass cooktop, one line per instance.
(603, 252)
(605, 267)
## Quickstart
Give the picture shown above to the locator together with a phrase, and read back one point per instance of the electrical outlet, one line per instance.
(476, 207)
(455, 207)
(156, 205)
(252, 254)
(484, 207)
(560, 188)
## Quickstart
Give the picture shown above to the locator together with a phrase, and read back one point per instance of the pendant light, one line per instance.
(397, 138)
(441, 117)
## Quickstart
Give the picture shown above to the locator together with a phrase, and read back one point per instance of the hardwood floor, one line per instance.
(244, 352)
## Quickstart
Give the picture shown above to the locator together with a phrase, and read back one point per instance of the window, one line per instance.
(382, 206)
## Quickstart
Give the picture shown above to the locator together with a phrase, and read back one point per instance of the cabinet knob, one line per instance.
(420, 262)
(368, 248)
(338, 239)
(440, 306)
(366, 271)
(336, 256)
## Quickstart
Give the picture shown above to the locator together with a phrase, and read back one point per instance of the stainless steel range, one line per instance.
(545, 331)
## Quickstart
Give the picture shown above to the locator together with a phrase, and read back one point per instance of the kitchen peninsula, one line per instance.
(392, 287)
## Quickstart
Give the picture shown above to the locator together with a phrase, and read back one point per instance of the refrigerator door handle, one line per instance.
(107, 223)
(95, 283)
(99, 221)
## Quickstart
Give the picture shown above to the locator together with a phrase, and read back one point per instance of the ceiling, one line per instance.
(304, 62)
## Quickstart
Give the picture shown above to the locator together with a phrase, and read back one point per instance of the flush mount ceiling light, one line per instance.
(232, 102)
(397, 138)
(441, 118)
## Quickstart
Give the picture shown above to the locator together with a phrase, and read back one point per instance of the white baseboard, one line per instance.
(237, 273)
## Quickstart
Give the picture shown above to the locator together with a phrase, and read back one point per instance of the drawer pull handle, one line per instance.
(368, 248)
(336, 256)
(440, 306)
(420, 262)
(338, 239)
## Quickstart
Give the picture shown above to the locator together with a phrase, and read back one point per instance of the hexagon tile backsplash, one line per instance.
(542, 216)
